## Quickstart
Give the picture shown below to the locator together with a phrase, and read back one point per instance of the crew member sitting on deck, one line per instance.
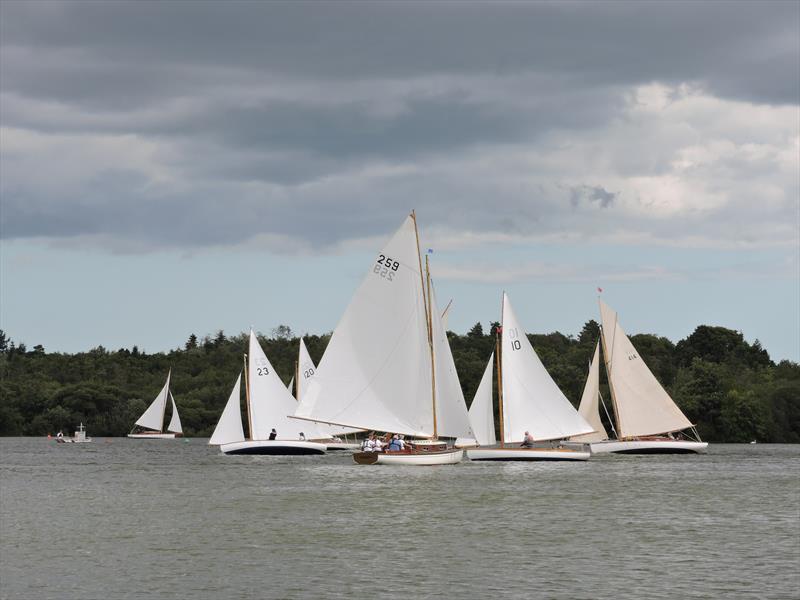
(527, 442)
(273, 434)
(396, 444)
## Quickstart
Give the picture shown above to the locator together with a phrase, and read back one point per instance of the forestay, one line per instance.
(229, 428)
(376, 372)
(531, 399)
(175, 421)
(481, 412)
(153, 417)
(452, 419)
(270, 401)
(589, 408)
(642, 406)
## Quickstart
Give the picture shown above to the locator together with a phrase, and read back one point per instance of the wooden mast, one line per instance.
(430, 342)
(297, 379)
(426, 302)
(498, 352)
(247, 399)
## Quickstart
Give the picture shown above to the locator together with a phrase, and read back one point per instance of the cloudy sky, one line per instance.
(178, 167)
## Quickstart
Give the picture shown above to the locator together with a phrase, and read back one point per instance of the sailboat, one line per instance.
(530, 402)
(647, 419)
(388, 365)
(481, 412)
(150, 425)
(268, 404)
(305, 369)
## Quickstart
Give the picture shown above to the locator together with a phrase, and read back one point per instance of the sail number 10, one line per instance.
(513, 337)
(386, 267)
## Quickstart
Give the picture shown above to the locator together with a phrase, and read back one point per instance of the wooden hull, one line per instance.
(648, 447)
(273, 447)
(527, 454)
(152, 436)
(450, 456)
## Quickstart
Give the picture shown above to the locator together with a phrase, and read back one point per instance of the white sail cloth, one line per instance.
(376, 371)
(306, 372)
(642, 406)
(270, 401)
(153, 417)
(229, 428)
(532, 401)
(589, 408)
(481, 412)
(175, 421)
(452, 419)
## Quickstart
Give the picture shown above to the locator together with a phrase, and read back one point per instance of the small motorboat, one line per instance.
(78, 438)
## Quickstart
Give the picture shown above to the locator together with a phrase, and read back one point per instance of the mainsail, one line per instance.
(641, 405)
(481, 412)
(270, 401)
(153, 417)
(229, 429)
(589, 408)
(532, 401)
(376, 371)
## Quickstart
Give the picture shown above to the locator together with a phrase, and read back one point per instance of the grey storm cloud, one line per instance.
(229, 119)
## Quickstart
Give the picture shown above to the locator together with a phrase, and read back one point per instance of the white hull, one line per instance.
(341, 446)
(525, 454)
(273, 447)
(447, 457)
(152, 436)
(648, 447)
(72, 441)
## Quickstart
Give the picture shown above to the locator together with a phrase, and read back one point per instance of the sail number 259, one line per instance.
(386, 267)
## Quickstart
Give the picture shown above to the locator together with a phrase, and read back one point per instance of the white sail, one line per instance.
(531, 399)
(153, 417)
(290, 387)
(589, 408)
(642, 406)
(376, 371)
(175, 421)
(452, 419)
(306, 370)
(229, 428)
(481, 412)
(270, 401)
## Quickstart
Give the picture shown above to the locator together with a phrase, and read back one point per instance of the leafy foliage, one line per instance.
(730, 388)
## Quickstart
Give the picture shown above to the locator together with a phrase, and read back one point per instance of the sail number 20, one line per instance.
(513, 336)
(386, 267)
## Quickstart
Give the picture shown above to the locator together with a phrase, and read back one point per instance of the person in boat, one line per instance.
(273, 434)
(377, 445)
(302, 436)
(59, 436)
(527, 441)
(396, 445)
(368, 445)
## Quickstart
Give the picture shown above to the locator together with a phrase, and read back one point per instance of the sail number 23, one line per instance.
(386, 267)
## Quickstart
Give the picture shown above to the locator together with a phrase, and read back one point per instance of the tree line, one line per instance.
(730, 388)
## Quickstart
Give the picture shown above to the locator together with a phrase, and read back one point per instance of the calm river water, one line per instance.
(125, 518)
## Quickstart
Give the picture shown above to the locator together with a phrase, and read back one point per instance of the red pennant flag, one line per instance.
(600, 290)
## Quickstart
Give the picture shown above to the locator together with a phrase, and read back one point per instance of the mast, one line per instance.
(297, 379)
(426, 301)
(164, 410)
(498, 351)
(430, 343)
(247, 398)
(606, 362)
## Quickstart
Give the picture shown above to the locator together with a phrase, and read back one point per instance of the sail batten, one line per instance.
(642, 405)
(532, 401)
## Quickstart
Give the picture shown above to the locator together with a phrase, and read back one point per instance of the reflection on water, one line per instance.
(168, 519)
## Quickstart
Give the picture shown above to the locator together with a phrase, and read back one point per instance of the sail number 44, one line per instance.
(386, 267)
